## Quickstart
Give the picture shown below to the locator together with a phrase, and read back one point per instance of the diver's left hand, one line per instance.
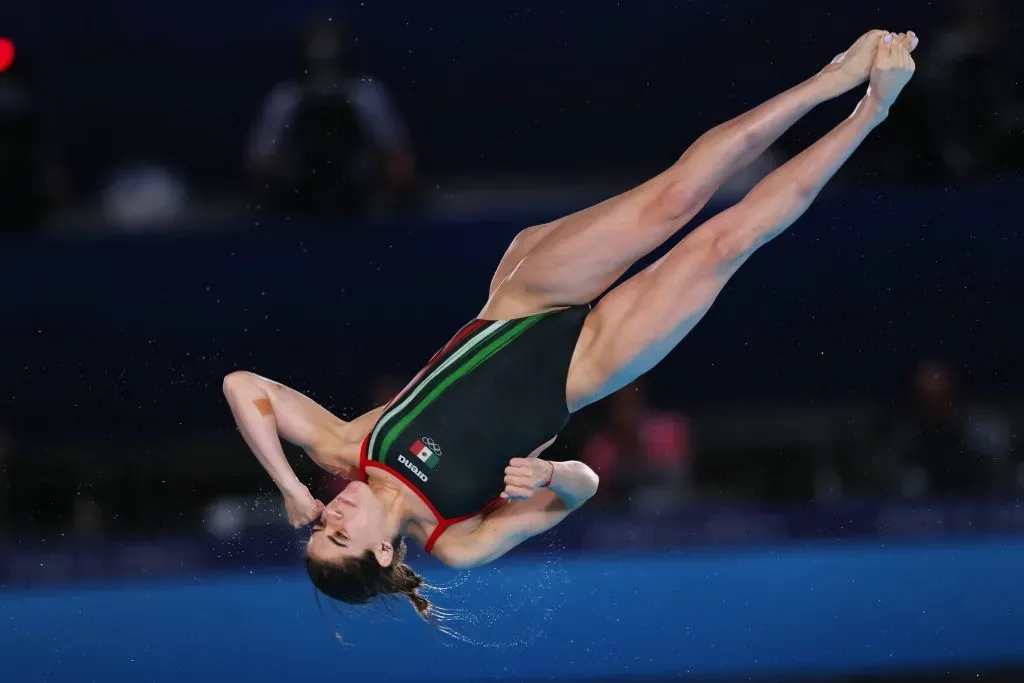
(524, 476)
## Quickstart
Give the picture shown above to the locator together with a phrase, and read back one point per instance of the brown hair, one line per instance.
(358, 580)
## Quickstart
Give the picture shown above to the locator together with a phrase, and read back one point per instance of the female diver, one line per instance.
(452, 461)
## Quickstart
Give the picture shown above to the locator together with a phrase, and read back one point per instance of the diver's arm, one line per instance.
(574, 482)
(572, 485)
(267, 411)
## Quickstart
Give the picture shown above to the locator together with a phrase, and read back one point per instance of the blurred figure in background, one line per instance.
(970, 78)
(644, 456)
(144, 196)
(936, 447)
(27, 178)
(331, 142)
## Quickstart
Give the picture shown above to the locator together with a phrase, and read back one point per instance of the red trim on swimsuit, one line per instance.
(463, 333)
(442, 522)
(365, 462)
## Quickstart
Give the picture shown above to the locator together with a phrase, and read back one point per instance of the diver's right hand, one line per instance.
(302, 507)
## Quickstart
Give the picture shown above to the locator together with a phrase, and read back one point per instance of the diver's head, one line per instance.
(352, 555)
(353, 524)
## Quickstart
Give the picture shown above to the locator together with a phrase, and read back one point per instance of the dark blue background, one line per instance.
(552, 87)
(123, 339)
(138, 330)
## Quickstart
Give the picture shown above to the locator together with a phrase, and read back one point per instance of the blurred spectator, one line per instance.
(144, 196)
(332, 140)
(27, 180)
(970, 83)
(643, 455)
(936, 446)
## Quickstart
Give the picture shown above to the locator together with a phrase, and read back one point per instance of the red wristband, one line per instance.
(552, 476)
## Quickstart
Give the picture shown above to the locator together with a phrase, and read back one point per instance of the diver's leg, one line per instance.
(641, 320)
(575, 259)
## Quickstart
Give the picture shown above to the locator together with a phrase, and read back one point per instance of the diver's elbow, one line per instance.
(234, 381)
(595, 482)
(589, 481)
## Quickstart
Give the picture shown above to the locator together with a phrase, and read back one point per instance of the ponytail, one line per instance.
(357, 581)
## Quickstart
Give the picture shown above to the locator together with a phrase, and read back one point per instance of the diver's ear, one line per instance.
(385, 554)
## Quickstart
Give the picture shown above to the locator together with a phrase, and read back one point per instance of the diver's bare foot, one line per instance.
(852, 67)
(891, 70)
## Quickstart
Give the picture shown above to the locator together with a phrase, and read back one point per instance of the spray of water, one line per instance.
(518, 619)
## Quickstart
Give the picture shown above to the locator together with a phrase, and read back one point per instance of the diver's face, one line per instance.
(351, 524)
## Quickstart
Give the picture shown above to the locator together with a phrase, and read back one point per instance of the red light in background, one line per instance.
(6, 54)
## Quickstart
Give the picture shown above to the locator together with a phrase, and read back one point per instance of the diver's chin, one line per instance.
(349, 495)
